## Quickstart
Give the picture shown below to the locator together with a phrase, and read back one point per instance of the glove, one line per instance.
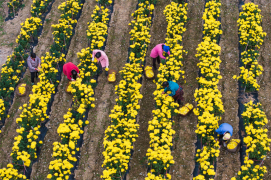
(93, 58)
(106, 66)
(72, 79)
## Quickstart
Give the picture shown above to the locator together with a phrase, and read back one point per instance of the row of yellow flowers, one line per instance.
(37, 8)
(256, 140)
(35, 112)
(160, 127)
(255, 120)
(122, 132)
(12, 69)
(208, 97)
(251, 38)
(65, 151)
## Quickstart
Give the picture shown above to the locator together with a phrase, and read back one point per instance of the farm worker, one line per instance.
(176, 90)
(225, 131)
(103, 61)
(157, 53)
(33, 63)
(71, 71)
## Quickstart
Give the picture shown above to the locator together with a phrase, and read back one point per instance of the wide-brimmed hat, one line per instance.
(227, 136)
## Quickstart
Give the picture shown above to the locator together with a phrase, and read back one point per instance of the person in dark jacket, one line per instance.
(33, 63)
(176, 90)
(71, 71)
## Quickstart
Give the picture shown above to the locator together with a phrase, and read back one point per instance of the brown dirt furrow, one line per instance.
(185, 137)
(46, 38)
(62, 100)
(228, 164)
(138, 163)
(265, 79)
(117, 46)
(11, 29)
(9, 130)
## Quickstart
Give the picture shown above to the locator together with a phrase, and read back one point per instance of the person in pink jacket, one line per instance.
(103, 61)
(71, 71)
(157, 53)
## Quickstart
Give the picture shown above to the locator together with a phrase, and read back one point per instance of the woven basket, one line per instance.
(146, 73)
(17, 90)
(187, 112)
(236, 149)
(110, 71)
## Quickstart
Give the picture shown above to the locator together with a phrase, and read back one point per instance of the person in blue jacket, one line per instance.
(176, 90)
(225, 131)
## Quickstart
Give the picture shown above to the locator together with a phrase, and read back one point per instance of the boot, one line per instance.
(96, 78)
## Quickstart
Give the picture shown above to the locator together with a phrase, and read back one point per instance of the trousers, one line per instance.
(33, 75)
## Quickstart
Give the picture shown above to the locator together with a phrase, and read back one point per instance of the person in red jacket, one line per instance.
(71, 71)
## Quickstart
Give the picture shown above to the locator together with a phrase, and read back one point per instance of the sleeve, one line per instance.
(165, 90)
(160, 52)
(69, 77)
(39, 61)
(106, 60)
(64, 70)
(29, 64)
(173, 92)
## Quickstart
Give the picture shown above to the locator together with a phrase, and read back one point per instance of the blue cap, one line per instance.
(166, 48)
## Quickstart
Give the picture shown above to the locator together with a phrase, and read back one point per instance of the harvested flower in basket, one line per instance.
(22, 88)
(112, 77)
(233, 143)
(149, 72)
(185, 109)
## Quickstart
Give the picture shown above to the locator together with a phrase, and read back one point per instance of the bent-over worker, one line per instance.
(176, 90)
(157, 53)
(225, 131)
(103, 61)
(71, 71)
(33, 63)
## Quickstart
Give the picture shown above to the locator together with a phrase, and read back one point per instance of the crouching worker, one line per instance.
(157, 53)
(71, 71)
(225, 131)
(102, 61)
(33, 63)
(176, 90)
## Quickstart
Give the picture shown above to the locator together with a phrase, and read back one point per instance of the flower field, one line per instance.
(160, 127)
(12, 70)
(254, 118)
(251, 38)
(128, 129)
(208, 97)
(122, 132)
(82, 91)
(257, 142)
(35, 112)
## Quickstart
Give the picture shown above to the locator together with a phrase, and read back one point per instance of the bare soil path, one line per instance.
(265, 79)
(185, 137)
(117, 50)
(62, 100)
(11, 29)
(138, 163)
(9, 130)
(228, 164)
